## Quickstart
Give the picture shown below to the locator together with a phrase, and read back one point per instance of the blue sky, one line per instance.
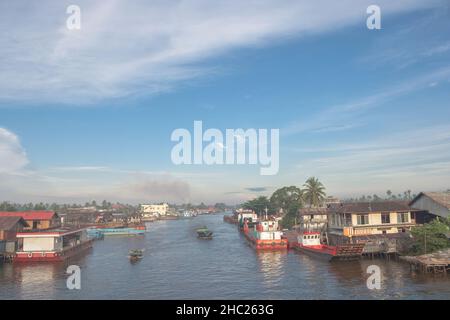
(88, 114)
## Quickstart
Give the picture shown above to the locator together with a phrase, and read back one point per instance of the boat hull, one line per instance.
(122, 232)
(317, 253)
(267, 245)
(53, 256)
(349, 252)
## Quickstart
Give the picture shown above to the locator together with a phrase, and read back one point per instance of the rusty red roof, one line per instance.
(29, 215)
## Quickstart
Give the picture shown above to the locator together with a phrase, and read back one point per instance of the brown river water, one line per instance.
(177, 265)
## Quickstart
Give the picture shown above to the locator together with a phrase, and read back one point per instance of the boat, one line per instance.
(204, 233)
(230, 219)
(248, 217)
(95, 234)
(136, 254)
(264, 235)
(52, 245)
(187, 214)
(311, 244)
(117, 231)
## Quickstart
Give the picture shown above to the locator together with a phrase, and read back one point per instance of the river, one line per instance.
(177, 265)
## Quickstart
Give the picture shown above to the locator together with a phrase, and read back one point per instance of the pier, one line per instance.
(436, 263)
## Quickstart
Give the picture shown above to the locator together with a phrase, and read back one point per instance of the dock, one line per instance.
(435, 263)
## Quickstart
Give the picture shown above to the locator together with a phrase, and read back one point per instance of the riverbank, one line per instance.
(177, 265)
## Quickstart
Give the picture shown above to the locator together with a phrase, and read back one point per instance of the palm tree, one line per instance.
(389, 194)
(314, 192)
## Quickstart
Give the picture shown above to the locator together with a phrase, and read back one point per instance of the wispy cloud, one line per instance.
(138, 48)
(415, 157)
(256, 189)
(342, 116)
(81, 168)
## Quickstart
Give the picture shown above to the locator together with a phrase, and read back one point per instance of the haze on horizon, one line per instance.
(88, 114)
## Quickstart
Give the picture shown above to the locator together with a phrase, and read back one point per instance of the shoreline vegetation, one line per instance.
(285, 203)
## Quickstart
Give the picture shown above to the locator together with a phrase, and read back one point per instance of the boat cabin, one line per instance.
(49, 244)
(309, 239)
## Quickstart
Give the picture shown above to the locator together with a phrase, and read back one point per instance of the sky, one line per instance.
(88, 114)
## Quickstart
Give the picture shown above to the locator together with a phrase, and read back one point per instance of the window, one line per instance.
(363, 218)
(348, 219)
(385, 218)
(402, 217)
(35, 224)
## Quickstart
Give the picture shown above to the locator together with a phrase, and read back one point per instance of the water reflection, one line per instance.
(271, 267)
(177, 265)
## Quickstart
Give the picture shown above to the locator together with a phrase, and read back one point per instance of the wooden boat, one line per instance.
(204, 233)
(310, 243)
(136, 254)
(230, 219)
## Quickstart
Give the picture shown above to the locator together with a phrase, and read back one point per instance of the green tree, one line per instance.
(285, 197)
(259, 205)
(314, 192)
(220, 206)
(7, 206)
(290, 218)
(39, 206)
(431, 236)
(389, 194)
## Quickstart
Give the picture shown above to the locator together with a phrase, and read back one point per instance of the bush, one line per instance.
(430, 237)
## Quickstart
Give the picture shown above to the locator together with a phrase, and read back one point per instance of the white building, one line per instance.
(154, 210)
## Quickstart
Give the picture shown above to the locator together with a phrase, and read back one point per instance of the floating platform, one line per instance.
(435, 263)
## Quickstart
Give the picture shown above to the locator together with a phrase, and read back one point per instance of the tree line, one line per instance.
(10, 206)
(288, 200)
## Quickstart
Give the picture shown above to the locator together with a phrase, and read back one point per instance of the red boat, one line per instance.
(265, 236)
(310, 243)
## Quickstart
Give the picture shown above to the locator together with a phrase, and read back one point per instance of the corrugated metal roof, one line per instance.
(375, 206)
(29, 215)
(7, 223)
(309, 211)
(443, 198)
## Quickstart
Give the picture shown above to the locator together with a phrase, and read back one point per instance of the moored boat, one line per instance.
(246, 217)
(51, 245)
(230, 219)
(118, 231)
(265, 236)
(310, 243)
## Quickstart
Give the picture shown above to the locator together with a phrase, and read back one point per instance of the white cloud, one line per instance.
(135, 48)
(12, 156)
(417, 158)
